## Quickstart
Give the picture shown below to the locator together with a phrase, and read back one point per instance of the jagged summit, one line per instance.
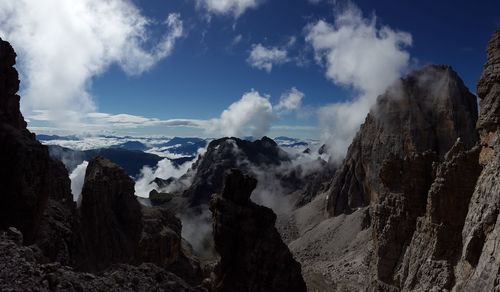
(253, 256)
(487, 85)
(9, 85)
(226, 153)
(111, 221)
(31, 182)
(424, 112)
(49, 241)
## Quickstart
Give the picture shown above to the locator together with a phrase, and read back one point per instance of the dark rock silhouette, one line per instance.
(115, 228)
(35, 196)
(9, 85)
(46, 236)
(253, 256)
(227, 153)
(20, 271)
(111, 219)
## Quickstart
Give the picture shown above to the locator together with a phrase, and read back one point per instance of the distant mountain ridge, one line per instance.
(132, 161)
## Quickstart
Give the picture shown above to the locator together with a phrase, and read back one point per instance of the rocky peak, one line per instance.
(111, 218)
(391, 164)
(36, 209)
(30, 180)
(252, 255)
(226, 153)
(424, 112)
(488, 83)
(9, 85)
(479, 265)
(238, 188)
(488, 90)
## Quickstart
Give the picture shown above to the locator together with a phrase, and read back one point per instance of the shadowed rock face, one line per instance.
(114, 228)
(488, 87)
(479, 266)
(20, 271)
(426, 111)
(227, 153)
(455, 244)
(429, 260)
(110, 215)
(9, 85)
(34, 187)
(253, 256)
(391, 163)
(108, 229)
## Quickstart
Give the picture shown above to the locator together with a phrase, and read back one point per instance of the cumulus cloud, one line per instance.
(228, 7)
(252, 114)
(77, 177)
(265, 58)
(358, 54)
(62, 49)
(290, 100)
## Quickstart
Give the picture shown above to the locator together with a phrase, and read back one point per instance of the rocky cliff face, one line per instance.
(454, 246)
(227, 153)
(111, 219)
(253, 256)
(425, 112)
(391, 163)
(46, 233)
(9, 85)
(479, 265)
(114, 228)
(431, 185)
(35, 196)
(429, 260)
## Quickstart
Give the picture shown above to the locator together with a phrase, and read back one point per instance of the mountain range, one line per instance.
(413, 206)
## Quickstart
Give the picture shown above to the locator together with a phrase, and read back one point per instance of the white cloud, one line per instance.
(165, 169)
(228, 7)
(64, 44)
(264, 58)
(77, 177)
(236, 40)
(252, 114)
(357, 54)
(290, 100)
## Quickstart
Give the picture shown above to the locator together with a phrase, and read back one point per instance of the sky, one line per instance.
(212, 68)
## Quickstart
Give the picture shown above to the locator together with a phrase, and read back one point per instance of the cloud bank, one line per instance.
(251, 115)
(63, 49)
(358, 54)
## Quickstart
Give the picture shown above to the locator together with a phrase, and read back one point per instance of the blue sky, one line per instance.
(208, 67)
